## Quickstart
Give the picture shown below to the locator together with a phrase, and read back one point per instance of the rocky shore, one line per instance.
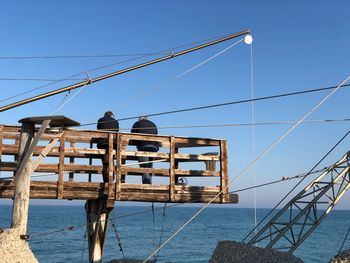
(13, 249)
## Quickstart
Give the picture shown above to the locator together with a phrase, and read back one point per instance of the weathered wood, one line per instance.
(118, 169)
(1, 138)
(194, 173)
(195, 157)
(97, 223)
(61, 168)
(22, 180)
(110, 166)
(139, 170)
(146, 154)
(45, 151)
(71, 161)
(224, 171)
(172, 169)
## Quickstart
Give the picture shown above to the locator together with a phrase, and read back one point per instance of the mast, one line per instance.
(119, 72)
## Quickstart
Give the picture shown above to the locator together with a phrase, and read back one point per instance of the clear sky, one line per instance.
(297, 45)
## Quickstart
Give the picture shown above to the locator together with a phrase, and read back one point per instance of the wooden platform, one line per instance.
(75, 164)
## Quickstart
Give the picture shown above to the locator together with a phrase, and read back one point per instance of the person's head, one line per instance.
(109, 114)
(143, 118)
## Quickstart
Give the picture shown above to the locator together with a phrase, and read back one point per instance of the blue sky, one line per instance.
(297, 45)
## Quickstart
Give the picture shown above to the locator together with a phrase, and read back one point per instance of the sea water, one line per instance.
(140, 230)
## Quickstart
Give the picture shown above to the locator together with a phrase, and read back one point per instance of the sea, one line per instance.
(57, 232)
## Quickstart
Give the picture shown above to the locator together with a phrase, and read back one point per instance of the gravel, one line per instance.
(13, 249)
(231, 252)
(343, 257)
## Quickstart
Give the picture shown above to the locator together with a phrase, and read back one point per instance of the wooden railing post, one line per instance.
(110, 165)
(172, 169)
(61, 168)
(71, 161)
(118, 168)
(224, 171)
(1, 138)
(22, 180)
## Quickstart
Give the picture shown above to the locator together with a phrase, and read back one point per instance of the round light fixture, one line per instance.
(248, 39)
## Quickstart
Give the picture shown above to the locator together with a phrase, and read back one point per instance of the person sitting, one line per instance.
(143, 125)
(106, 123)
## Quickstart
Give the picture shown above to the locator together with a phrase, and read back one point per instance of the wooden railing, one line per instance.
(74, 160)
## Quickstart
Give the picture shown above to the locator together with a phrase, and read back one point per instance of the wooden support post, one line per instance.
(110, 170)
(90, 163)
(118, 169)
(172, 169)
(61, 168)
(97, 223)
(22, 180)
(1, 138)
(71, 162)
(224, 171)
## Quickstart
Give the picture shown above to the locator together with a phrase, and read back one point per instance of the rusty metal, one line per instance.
(119, 72)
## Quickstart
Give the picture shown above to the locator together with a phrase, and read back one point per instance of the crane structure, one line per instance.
(290, 226)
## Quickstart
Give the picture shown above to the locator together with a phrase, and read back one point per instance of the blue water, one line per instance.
(194, 244)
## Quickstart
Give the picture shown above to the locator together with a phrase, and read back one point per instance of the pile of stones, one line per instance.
(13, 249)
(230, 251)
(342, 257)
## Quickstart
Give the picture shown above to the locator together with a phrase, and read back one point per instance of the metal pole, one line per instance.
(119, 72)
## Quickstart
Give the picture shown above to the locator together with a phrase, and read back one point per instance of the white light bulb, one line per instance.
(248, 39)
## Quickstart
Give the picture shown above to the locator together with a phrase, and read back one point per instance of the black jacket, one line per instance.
(147, 127)
(109, 124)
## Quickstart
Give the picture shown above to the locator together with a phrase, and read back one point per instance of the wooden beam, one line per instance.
(61, 168)
(172, 169)
(22, 180)
(45, 151)
(224, 171)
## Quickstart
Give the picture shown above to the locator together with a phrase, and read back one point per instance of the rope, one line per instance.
(284, 179)
(161, 232)
(253, 130)
(249, 166)
(64, 102)
(117, 237)
(168, 81)
(110, 65)
(82, 252)
(153, 224)
(223, 104)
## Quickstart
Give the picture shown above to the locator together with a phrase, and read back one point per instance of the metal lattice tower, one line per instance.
(300, 216)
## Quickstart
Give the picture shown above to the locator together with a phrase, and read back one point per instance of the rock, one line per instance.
(343, 257)
(231, 252)
(13, 249)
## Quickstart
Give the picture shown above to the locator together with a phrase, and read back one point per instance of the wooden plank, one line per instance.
(172, 169)
(194, 157)
(145, 154)
(139, 170)
(194, 173)
(224, 171)
(196, 142)
(185, 188)
(153, 187)
(61, 168)
(45, 151)
(145, 197)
